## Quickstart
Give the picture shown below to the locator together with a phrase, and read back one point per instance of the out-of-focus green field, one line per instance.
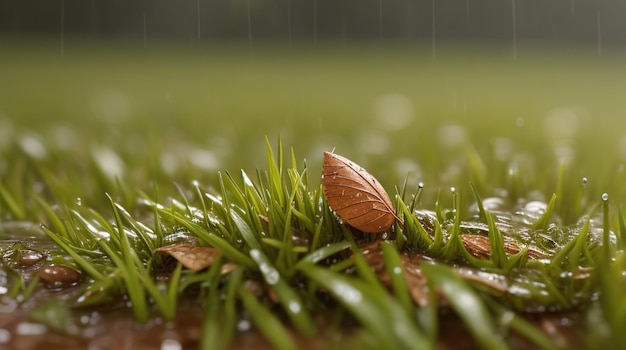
(176, 113)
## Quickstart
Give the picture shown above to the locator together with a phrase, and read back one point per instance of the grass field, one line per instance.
(226, 99)
(119, 119)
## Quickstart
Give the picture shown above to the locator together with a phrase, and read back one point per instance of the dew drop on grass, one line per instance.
(420, 185)
(243, 325)
(348, 293)
(294, 307)
(269, 272)
(584, 182)
(605, 197)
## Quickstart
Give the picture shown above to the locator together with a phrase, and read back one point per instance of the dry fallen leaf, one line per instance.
(356, 196)
(192, 257)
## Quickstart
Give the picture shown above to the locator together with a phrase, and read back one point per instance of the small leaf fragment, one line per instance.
(356, 196)
(192, 257)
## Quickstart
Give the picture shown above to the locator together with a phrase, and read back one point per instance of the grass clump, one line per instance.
(286, 261)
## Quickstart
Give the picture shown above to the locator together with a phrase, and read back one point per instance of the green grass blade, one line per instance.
(544, 220)
(375, 310)
(395, 270)
(266, 322)
(323, 253)
(287, 297)
(86, 266)
(467, 304)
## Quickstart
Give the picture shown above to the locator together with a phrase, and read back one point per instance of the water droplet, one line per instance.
(452, 137)
(29, 257)
(503, 148)
(385, 235)
(270, 274)
(59, 276)
(605, 196)
(33, 146)
(397, 270)
(348, 293)
(28, 328)
(109, 162)
(79, 201)
(204, 159)
(507, 317)
(421, 185)
(5, 336)
(394, 112)
(243, 325)
(294, 307)
(584, 181)
(453, 190)
(171, 344)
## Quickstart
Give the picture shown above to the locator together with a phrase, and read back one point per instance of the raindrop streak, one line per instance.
(344, 29)
(380, 18)
(198, 18)
(289, 21)
(514, 14)
(599, 35)
(249, 23)
(434, 50)
(145, 31)
(315, 22)
(62, 28)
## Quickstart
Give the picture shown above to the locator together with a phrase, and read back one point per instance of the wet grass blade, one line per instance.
(219, 324)
(213, 240)
(12, 202)
(467, 304)
(544, 220)
(622, 229)
(287, 297)
(126, 263)
(85, 265)
(395, 270)
(269, 325)
(381, 315)
(323, 253)
(518, 324)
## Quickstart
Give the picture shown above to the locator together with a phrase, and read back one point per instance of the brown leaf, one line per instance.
(356, 196)
(193, 258)
(479, 246)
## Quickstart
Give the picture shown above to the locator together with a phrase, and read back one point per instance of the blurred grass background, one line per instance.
(174, 113)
